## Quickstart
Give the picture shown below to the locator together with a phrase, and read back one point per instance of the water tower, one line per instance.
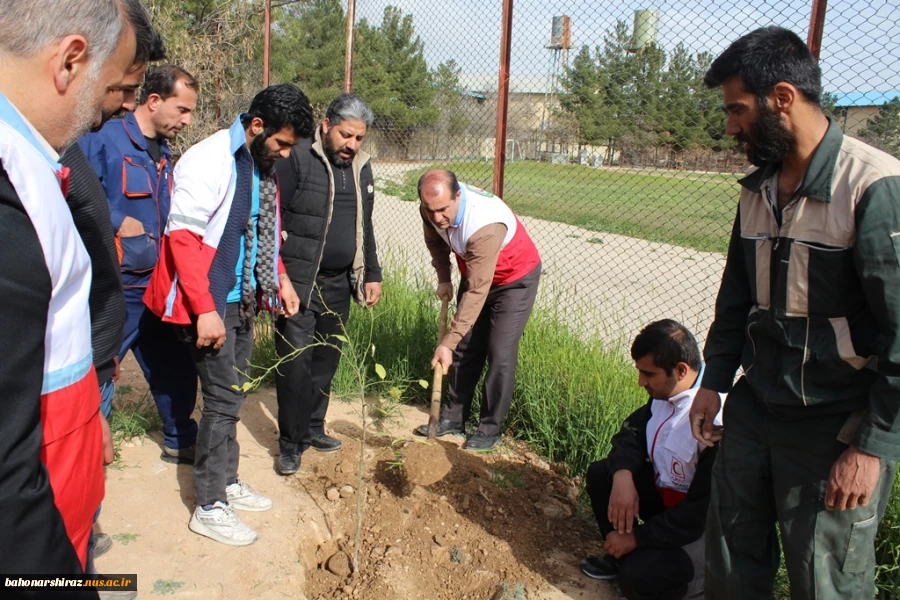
(644, 33)
(561, 39)
(560, 42)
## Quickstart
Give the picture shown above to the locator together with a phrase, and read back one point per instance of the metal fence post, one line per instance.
(267, 42)
(348, 55)
(816, 27)
(502, 98)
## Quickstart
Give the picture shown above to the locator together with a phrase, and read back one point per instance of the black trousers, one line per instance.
(645, 573)
(495, 338)
(218, 452)
(303, 384)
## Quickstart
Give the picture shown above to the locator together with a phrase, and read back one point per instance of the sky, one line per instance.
(860, 50)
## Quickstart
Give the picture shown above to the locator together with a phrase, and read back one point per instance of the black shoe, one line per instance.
(325, 443)
(178, 456)
(102, 544)
(444, 427)
(482, 441)
(288, 458)
(600, 567)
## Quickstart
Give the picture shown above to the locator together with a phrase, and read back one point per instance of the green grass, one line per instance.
(164, 587)
(392, 188)
(572, 392)
(887, 549)
(133, 418)
(403, 330)
(695, 210)
(126, 538)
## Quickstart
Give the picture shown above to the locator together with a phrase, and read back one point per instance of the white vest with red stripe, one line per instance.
(671, 446)
(478, 208)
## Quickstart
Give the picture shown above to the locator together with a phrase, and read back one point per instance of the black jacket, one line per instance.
(33, 536)
(87, 201)
(307, 196)
(676, 526)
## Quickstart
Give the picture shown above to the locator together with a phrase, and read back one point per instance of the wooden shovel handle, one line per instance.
(437, 381)
(442, 324)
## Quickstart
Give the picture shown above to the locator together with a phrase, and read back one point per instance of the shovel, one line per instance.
(437, 381)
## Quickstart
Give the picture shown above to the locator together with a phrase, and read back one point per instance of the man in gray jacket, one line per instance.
(327, 195)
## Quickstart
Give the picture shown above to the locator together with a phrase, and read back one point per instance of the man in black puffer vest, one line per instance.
(327, 194)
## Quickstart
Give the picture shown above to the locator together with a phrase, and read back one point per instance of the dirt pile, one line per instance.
(500, 525)
(495, 526)
(425, 463)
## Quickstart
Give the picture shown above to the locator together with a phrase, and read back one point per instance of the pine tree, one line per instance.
(308, 49)
(883, 129)
(390, 72)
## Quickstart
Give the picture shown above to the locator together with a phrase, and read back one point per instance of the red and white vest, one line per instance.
(70, 396)
(478, 208)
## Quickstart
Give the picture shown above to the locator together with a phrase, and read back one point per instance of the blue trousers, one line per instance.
(168, 367)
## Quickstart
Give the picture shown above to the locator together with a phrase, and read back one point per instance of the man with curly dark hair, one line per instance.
(219, 263)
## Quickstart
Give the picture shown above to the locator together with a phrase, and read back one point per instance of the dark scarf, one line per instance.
(266, 277)
(221, 272)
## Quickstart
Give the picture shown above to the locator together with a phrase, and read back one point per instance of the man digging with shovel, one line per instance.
(500, 268)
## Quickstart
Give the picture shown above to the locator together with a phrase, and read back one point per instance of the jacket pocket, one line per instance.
(861, 546)
(681, 446)
(821, 280)
(136, 180)
(758, 259)
(139, 253)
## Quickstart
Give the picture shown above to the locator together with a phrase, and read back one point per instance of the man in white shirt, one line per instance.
(657, 472)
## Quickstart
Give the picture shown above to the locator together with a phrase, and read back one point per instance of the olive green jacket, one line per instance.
(810, 308)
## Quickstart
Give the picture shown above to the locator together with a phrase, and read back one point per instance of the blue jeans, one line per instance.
(107, 393)
(168, 367)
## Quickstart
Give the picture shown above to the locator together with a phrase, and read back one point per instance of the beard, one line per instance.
(261, 155)
(769, 141)
(107, 116)
(86, 109)
(335, 158)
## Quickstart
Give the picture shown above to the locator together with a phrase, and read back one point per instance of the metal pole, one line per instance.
(348, 57)
(266, 43)
(816, 27)
(502, 98)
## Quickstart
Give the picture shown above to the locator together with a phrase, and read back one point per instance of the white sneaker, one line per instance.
(242, 497)
(222, 524)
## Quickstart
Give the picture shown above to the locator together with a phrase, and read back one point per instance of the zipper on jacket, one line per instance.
(752, 342)
(361, 223)
(655, 437)
(803, 364)
(160, 170)
(327, 219)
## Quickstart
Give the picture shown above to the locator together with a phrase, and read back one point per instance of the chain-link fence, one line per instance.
(616, 154)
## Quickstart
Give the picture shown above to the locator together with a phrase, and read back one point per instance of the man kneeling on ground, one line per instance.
(657, 472)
